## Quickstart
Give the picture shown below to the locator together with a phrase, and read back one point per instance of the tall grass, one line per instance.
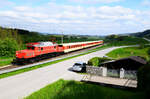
(63, 89)
(5, 61)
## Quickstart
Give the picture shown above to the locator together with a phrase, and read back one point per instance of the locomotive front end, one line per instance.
(19, 58)
(20, 54)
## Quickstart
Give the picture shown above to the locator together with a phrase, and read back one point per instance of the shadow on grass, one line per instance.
(111, 85)
(88, 90)
(64, 89)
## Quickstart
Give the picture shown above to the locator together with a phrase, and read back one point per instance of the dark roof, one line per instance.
(135, 58)
(132, 62)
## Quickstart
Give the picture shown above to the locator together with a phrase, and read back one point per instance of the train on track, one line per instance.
(43, 50)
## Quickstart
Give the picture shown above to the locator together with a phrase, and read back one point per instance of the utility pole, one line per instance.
(62, 38)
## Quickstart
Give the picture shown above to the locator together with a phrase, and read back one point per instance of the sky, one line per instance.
(84, 17)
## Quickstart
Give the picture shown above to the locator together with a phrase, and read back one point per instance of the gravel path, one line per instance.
(21, 85)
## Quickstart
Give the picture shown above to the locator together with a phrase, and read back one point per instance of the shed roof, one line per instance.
(132, 62)
(135, 58)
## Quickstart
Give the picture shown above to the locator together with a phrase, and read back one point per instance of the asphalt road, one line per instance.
(21, 85)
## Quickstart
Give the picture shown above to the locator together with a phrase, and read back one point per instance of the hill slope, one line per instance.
(145, 33)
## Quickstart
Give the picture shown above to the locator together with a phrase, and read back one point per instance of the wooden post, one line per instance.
(122, 73)
(104, 71)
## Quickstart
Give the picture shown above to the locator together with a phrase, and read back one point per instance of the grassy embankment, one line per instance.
(5, 61)
(129, 51)
(63, 89)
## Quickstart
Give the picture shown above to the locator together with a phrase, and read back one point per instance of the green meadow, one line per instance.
(129, 51)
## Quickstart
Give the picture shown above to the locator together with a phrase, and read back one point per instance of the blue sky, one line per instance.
(92, 17)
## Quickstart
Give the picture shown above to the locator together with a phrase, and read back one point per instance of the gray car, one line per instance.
(79, 67)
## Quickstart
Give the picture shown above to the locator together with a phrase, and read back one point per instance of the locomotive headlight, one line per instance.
(17, 53)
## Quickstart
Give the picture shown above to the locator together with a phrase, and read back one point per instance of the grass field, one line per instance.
(129, 51)
(5, 61)
(63, 89)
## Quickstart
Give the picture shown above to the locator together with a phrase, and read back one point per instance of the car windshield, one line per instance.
(78, 64)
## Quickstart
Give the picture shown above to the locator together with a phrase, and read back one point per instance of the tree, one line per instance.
(144, 79)
(148, 51)
(141, 46)
(96, 61)
(8, 47)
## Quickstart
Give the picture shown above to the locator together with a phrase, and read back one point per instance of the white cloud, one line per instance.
(94, 1)
(114, 10)
(77, 19)
(22, 8)
(146, 3)
(4, 3)
(11, 14)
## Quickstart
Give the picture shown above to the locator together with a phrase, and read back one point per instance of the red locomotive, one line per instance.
(42, 50)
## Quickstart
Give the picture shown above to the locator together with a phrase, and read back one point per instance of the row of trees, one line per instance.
(28, 37)
(117, 40)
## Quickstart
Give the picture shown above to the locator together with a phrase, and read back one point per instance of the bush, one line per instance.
(104, 59)
(144, 79)
(8, 47)
(148, 51)
(141, 46)
(96, 61)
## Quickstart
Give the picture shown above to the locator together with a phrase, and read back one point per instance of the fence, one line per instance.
(118, 73)
(130, 74)
(94, 70)
(113, 73)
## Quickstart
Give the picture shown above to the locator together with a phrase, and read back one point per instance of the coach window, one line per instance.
(60, 46)
(33, 48)
(54, 47)
(41, 49)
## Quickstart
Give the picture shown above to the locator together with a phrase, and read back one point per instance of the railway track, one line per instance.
(10, 68)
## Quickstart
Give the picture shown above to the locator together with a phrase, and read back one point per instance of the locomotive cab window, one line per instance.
(31, 47)
(60, 45)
